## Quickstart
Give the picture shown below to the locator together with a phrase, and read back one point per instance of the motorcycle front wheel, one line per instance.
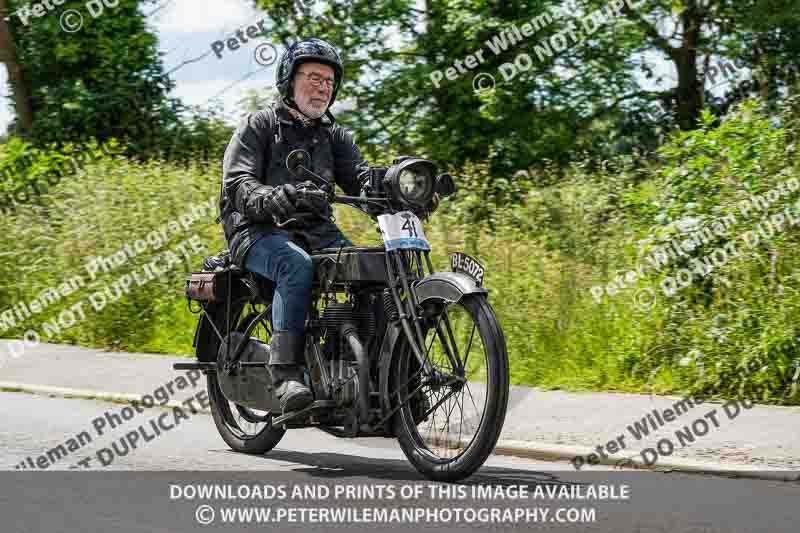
(452, 416)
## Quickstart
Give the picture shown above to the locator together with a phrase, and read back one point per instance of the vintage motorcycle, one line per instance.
(393, 348)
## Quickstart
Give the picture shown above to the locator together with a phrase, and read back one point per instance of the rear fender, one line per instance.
(206, 342)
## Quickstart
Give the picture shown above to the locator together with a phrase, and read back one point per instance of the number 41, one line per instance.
(411, 228)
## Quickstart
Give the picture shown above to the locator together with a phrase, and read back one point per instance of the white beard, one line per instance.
(310, 112)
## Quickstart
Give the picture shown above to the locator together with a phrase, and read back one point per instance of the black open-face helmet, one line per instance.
(311, 50)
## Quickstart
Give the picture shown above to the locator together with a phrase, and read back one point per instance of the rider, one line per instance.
(259, 191)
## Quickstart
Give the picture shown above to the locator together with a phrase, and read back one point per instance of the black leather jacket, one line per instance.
(256, 155)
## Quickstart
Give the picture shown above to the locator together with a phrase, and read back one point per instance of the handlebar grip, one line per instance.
(313, 194)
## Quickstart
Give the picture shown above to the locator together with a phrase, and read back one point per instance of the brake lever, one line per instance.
(320, 181)
(284, 223)
(300, 219)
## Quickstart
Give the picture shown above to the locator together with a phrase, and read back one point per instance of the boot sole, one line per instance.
(297, 401)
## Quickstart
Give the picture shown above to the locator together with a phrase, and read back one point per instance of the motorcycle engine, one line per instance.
(343, 369)
(336, 314)
(346, 383)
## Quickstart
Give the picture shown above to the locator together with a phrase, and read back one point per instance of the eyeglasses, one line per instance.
(316, 80)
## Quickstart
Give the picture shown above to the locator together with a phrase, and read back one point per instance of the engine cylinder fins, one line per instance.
(336, 314)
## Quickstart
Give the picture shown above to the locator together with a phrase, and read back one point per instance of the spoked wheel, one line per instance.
(244, 429)
(451, 424)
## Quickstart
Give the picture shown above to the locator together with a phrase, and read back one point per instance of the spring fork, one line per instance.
(413, 300)
(455, 359)
(414, 340)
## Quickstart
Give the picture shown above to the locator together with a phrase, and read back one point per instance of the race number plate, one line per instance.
(403, 230)
(467, 265)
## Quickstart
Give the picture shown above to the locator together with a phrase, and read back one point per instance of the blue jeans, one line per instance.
(278, 259)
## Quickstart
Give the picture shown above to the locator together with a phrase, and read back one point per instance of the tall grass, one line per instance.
(732, 333)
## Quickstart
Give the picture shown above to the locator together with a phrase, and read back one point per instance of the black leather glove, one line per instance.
(278, 202)
(315, 203)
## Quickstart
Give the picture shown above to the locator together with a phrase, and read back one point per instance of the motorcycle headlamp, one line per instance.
(411, 180)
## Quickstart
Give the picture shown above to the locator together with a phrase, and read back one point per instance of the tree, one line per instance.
(105, 80)
(16, 77)
(580, 75)
(256, 99)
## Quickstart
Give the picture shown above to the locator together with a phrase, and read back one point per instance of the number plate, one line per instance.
(403, 230)
(467, 265)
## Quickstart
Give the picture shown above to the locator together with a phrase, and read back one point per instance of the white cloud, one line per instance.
(193, 16)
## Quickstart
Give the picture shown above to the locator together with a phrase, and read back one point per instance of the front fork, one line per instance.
(398, 265)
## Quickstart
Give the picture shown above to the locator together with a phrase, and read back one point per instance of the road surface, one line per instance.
(142, 489)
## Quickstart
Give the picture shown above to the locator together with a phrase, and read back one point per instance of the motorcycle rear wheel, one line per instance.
(244, 429)
(440, 446)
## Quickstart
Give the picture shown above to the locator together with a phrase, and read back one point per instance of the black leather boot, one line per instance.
(286, 366)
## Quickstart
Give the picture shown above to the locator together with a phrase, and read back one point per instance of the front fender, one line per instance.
(449, 286)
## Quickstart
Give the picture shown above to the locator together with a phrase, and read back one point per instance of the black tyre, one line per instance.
(439, 441)
(244, 429)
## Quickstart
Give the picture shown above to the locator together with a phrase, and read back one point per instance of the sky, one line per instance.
(186, 29)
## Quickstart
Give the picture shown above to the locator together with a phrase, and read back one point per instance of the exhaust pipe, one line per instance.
(349, 331)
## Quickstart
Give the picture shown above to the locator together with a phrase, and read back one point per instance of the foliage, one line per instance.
(107, 81)
(544, 259)
(608, 92)
(201, 135)
(46, 245)
(103, 81)
(557, 218)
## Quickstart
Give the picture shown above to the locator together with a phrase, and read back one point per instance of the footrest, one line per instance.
(211, 367)
(317, 405)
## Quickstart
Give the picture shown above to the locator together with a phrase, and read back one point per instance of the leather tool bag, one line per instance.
(207, 286)
(210, 285)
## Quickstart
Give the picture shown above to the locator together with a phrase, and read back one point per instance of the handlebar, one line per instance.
(341, 199)
(355, 201)
(322, 195)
